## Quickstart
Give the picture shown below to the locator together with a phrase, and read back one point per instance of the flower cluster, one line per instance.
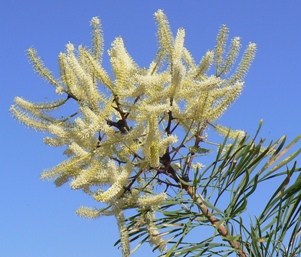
(128, 131)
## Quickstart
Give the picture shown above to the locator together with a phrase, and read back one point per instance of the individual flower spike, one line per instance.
(124, 237)
(97, 39)
(151, 147)
(224, 131)
(220, 47)
(86, 212)
(39, 67)
(164, 33)
(154, 234)
(152, 200)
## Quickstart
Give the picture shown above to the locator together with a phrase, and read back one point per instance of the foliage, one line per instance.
(226, 188)
(136, 142)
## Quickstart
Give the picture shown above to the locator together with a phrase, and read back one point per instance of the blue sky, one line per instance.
(38, 220)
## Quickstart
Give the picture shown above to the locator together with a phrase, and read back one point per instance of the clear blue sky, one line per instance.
(38, 220)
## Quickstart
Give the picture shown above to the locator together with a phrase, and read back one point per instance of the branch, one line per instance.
(214, 221)
(198, 140)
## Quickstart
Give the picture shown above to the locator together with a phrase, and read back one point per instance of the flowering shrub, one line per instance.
(140, 129)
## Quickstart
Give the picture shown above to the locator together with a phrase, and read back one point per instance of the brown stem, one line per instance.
(198, 140)
(170, 118)
(207, 213)
(214, 221)
(122, 114)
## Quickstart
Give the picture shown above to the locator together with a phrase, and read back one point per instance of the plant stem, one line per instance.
(214, 221)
